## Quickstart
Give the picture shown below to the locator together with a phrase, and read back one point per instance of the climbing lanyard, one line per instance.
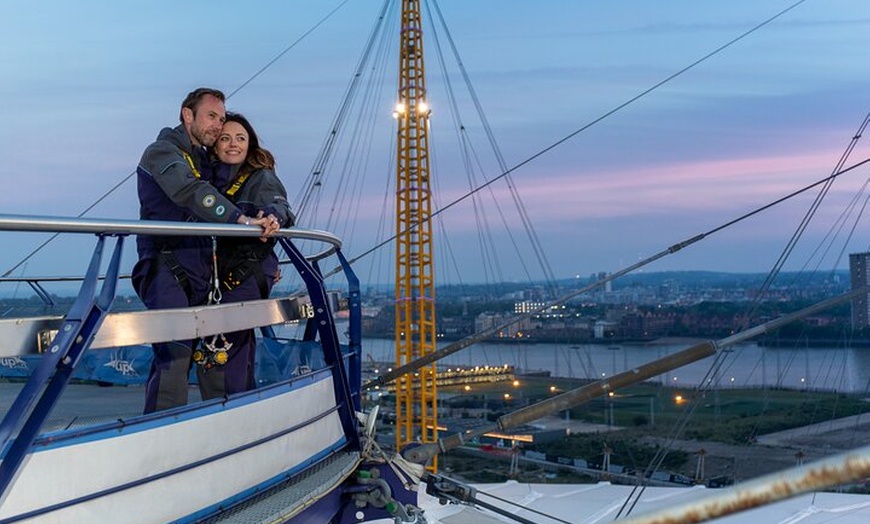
(215, 349)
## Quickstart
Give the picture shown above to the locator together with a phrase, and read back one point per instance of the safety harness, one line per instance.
(166, 256)
(237, 184)
(240, 259)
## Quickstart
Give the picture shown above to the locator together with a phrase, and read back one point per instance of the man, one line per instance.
(174, 178)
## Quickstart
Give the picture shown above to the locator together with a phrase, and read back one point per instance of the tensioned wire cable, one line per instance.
(718, 362)
(720, 359)
(528, 160)
(834, 232)
(595, 121)
(471, 159)
(129, 176)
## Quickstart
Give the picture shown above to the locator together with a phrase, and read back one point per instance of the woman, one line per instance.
(247, 267)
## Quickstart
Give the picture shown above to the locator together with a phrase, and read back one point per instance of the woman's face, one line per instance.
(232, 144)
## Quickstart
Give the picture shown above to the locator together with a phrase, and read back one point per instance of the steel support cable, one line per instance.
(628, 102)
(825, 245)
(787, 250)
(376, 267)
(840, 223)
(313, 183)
(719, 361)
(492, 270)
(489, 254)
(482, 229)
(501, 213)
(676, 431)
(822, 474)
(538, 250)
(308, 203)
(129, 176)
(459, 345)
(448, 490)
(752, 309)
(595, 121)
(353, 169)
(855, 223)
(530, 230)
(324, 162)
(486, 243)
(323, 159)
(288, 48)
(482, 335)
(569, 399)
(449, 260)
(516, 505)
(805, 222)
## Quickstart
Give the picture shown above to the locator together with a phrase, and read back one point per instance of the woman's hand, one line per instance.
(269, 223)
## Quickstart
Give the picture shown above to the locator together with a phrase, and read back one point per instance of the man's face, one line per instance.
(205, 124)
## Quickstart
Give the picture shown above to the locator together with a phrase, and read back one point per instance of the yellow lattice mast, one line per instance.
(416, 406)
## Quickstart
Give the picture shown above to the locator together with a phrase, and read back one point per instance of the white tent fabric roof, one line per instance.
(600, 503)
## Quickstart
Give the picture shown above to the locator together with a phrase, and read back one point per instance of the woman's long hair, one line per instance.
(258, 157)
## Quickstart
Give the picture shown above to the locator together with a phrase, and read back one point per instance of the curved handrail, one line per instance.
(121, 227)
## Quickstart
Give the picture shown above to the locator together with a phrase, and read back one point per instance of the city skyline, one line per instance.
(88, 89)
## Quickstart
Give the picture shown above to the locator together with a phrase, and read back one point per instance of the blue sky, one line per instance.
(87, 85)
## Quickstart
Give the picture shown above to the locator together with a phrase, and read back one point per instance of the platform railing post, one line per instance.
(40, 394)
(354, 306)
(325, 325)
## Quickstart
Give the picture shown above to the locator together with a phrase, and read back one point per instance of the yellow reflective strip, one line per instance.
(238, 184)
(192, 167)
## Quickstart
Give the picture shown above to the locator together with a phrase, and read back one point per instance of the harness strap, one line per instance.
(237, 184)
(234, 277)
(166, 256)
(193, 168)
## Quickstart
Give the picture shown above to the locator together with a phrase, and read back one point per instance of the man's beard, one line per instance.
(201, 135)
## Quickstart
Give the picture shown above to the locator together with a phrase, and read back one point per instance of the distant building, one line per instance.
(514, 330)
(608, 286)
(859, 271)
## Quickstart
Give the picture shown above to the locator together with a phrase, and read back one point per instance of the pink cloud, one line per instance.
(741, 183)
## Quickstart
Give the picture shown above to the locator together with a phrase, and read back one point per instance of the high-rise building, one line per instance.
(859, 272)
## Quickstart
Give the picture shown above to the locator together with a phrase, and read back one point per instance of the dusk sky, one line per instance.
(87, 85)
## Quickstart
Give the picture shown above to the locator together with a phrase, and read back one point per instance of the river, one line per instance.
(744, 365)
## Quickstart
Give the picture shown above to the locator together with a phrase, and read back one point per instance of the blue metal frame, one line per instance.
(328, 336)
(48, 381)
(354, 335)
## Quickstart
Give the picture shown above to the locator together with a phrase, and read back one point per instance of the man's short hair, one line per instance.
(192, 100)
